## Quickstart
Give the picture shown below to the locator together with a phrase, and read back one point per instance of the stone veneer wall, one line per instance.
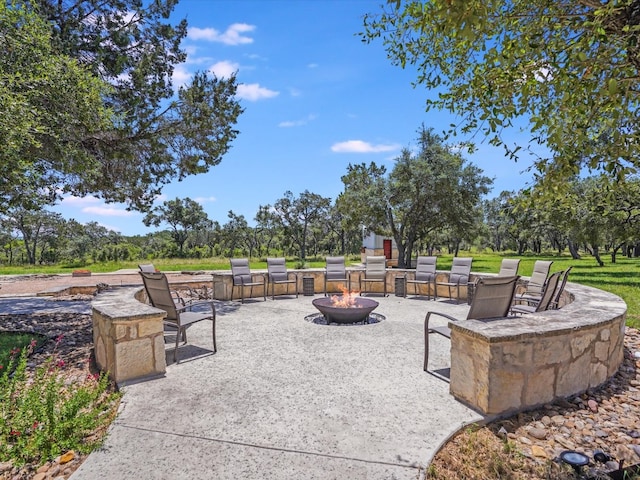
(223, 282)
(507, 365)
(128, 335)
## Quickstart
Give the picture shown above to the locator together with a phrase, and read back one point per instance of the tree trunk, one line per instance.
(596, 255)
(401, 254)
(522, 246)
(614, 251)
(573, 249)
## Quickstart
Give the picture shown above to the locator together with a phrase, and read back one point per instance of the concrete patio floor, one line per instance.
(284, 398)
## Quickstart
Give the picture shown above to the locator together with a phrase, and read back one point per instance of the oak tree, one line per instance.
(567, 69)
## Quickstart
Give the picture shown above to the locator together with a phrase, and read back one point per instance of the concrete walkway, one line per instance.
(285, 398)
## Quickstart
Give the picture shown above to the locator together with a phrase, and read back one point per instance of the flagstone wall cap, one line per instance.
(124, 303)
(590, 307)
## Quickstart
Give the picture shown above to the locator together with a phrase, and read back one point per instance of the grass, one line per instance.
(621, 278)
(15, 342)
(484, 454)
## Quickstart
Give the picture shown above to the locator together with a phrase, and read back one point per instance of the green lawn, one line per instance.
(16, 341)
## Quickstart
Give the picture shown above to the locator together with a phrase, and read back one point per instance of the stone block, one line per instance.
(598, 375)
(120, 332)
(601, 351)
(550, 351)
(100, 353)
(505, 391)
(540, 385)
(580, 342)
(134, 359)
(468, 369)
(517, 355)
(571, 376)
(151, 327)
(158, 354)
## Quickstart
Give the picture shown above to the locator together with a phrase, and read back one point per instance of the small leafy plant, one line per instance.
(43, 416)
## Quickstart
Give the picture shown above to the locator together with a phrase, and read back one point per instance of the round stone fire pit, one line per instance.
(357, 313)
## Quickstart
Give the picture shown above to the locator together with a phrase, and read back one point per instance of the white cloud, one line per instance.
(254, 91)
(358, 146)
(312, 65)
(202, 200)
(232, 36)
(95, 206)
(180, 76)
(297, 123)
(224, 69)
(108, 211)
(74, 201)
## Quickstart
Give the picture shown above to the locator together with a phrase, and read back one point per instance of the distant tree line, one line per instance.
(431, 200)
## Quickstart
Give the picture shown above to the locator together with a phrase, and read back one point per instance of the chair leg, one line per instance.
(213, 328)
(175, 350)
(426, 345)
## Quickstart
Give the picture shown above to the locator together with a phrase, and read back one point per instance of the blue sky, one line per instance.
(316, 99)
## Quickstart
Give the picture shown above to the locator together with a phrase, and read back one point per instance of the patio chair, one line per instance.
(375, 271)
(509, 267)
(425, 274)
(147, 267)
(492, 299)
(336, 272)
(558, 294)
(548, 294)
(179, 317)
(242, 277)
(150, 268)
(535, 285)
(459, 275)
(278, 275)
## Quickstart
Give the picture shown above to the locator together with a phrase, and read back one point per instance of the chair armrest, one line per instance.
(428, 330)
(176, 295)
(428, 316)
(263, 275)
(189, 305)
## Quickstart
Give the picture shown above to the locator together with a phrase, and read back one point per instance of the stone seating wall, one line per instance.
(497, 366)
(509, 365)
(128, 335)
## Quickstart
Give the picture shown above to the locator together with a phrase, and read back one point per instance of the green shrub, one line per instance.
(42, 416)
